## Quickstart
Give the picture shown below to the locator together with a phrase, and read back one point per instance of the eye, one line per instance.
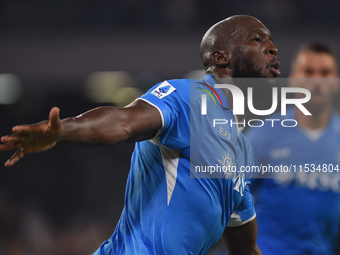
(256, 39)
(325, 73)
(309, 72)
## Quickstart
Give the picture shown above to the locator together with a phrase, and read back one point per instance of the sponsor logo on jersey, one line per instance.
(163, 90)
(312, 181)
(280, 153)
(227, 162)
(238, 178)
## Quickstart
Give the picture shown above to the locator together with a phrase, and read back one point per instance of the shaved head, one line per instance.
(224, 36)
(241, 47)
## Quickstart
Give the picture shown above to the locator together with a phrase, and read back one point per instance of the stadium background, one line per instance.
(66, 54)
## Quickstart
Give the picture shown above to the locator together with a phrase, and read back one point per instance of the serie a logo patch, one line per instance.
(163, 90)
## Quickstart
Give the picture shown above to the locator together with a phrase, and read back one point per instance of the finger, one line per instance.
(22, 129)
(10, 146)
(54, 117)
(16, 156)
(14, 138)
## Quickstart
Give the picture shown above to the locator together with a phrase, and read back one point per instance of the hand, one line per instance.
(33, 138)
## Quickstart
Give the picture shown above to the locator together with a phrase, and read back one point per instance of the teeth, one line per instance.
(276, 71)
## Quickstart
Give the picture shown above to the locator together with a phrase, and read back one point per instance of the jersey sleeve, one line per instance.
(172, 102)
(244, 212)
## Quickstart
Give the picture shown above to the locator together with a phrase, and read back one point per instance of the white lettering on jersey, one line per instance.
(318, 181)
(278, 153)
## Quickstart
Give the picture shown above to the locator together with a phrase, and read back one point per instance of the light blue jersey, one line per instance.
(297, 214)
(168, 210)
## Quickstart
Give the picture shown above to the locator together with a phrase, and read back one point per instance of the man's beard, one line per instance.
(246, 73)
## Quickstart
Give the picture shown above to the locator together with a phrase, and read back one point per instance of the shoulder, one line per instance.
(336, 118)
(335, 124)
(178, 84)
(170, 89)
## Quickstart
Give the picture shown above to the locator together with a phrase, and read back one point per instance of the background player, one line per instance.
(301, 215)
(166, 211)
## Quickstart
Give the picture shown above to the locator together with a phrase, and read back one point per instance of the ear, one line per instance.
(220, 57)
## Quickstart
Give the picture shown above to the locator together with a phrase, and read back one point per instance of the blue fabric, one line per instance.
(170, 208)
(296, 214)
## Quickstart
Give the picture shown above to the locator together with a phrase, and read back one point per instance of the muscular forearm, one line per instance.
(103, 125)
(111, 125)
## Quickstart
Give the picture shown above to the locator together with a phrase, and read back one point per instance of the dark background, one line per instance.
(69, 199)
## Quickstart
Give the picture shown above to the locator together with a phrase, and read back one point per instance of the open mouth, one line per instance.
(274, 67)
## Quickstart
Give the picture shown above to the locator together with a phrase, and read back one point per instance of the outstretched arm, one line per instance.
(104, 125)
(242, 240)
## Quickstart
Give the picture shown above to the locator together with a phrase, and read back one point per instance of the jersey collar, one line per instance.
(225, 104)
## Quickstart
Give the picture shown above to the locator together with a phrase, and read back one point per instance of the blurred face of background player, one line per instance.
(309, 64)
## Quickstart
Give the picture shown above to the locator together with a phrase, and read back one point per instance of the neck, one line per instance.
(316, 120)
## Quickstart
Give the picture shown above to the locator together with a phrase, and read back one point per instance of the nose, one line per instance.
(272, 50)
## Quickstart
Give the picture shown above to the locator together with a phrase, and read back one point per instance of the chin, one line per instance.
(315, 109)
